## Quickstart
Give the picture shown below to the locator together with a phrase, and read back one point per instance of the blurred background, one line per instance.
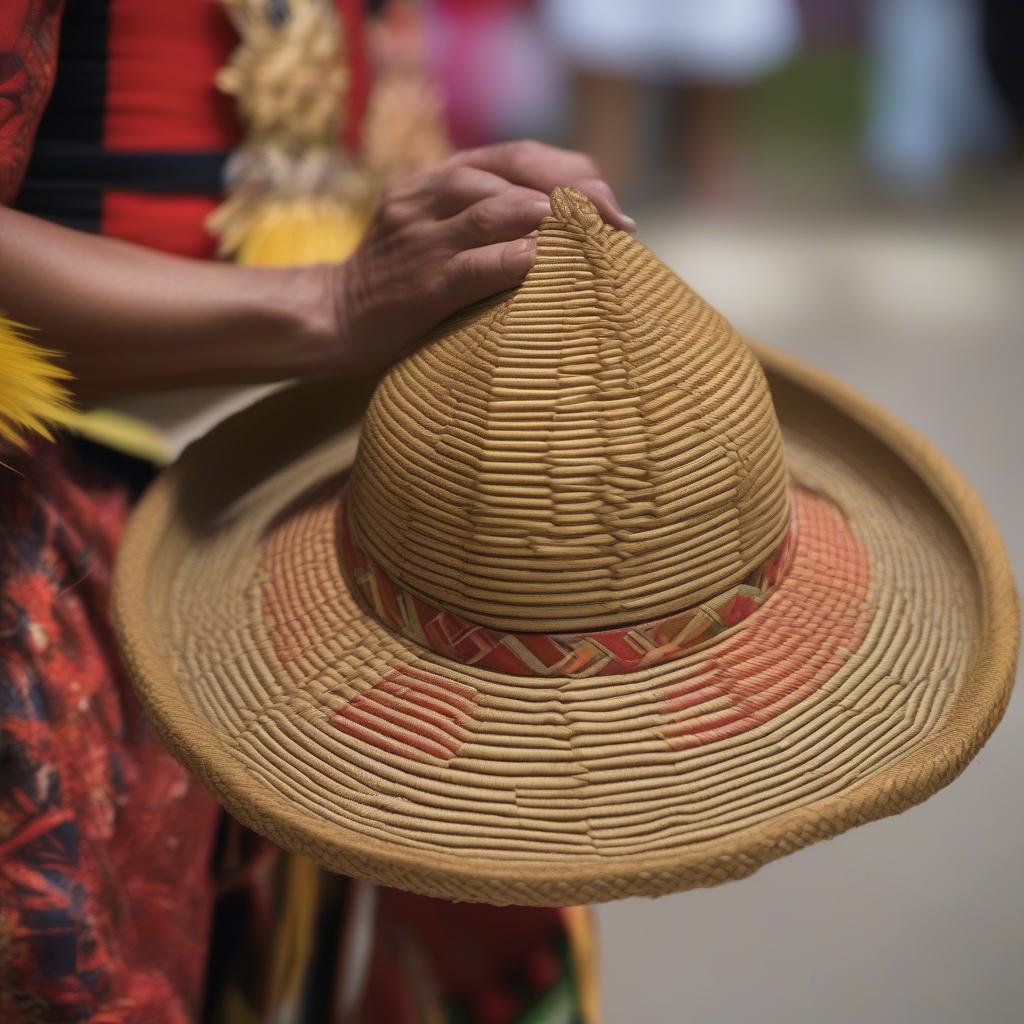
(843, 180)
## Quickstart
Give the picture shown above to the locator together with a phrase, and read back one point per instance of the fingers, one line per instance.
(531, 163)
(454, 188)
(447, 238)
(475, 274)
(526, 170)
(444, 194)
(600, 192)
(538, 166)
(511, 214)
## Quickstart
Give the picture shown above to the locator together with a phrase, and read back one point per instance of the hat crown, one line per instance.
(597, 448)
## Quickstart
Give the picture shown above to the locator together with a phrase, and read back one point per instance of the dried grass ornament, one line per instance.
(294, 196)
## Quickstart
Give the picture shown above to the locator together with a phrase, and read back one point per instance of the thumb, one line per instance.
(475, 274)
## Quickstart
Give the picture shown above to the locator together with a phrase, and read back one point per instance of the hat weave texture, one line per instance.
(599, 608)
(599, 449)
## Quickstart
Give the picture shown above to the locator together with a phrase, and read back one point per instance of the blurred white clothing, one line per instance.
(726, 41)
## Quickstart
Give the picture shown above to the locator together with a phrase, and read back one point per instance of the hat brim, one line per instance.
(866, 683)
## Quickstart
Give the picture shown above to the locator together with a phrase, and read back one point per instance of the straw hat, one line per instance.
(596, 609)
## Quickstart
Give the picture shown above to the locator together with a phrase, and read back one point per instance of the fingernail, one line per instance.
(520, 255)
(626, 219)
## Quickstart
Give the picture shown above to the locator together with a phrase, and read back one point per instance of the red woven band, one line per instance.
(602, 653)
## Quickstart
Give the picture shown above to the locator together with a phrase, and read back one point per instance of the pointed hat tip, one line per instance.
(570, 206)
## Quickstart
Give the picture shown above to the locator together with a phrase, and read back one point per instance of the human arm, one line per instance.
(129, 318)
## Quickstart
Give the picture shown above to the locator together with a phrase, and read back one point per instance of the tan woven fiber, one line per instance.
(544, 467)
(871, 675)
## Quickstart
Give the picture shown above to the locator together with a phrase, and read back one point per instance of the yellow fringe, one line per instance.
(119, 431)
(293, 941)
(34, 399)
(33, 392)
(300, 230)
(580, 923)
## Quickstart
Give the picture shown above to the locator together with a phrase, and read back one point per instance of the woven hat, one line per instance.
(599, 604)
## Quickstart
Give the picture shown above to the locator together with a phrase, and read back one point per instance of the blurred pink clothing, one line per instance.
(500, 72)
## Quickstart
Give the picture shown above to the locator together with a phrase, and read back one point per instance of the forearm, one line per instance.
(128, 318)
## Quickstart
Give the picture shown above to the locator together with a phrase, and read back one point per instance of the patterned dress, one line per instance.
(126, 896)
(105, 897)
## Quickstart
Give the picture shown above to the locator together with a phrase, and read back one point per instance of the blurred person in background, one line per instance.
(499, 71)
(931, 100)
(708, 50)
(119, 875)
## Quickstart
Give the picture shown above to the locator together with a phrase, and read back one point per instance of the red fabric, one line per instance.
(170, 223)
(162, 59)
(105, 840)
(29, 31)
(353, 30)
(465, 962)
(161, 63)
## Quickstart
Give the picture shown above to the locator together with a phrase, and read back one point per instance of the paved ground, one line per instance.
(917, 919)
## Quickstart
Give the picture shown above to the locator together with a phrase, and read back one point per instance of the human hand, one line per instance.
(445, 238)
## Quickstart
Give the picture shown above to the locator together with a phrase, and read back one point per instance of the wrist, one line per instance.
(350, 303)
(303, 302)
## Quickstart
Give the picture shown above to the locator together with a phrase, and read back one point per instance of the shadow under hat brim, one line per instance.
(252, 698)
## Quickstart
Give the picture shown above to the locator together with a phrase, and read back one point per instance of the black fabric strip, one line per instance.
(75, 110)
(74, 115)
(68, 167)
(74, 208)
